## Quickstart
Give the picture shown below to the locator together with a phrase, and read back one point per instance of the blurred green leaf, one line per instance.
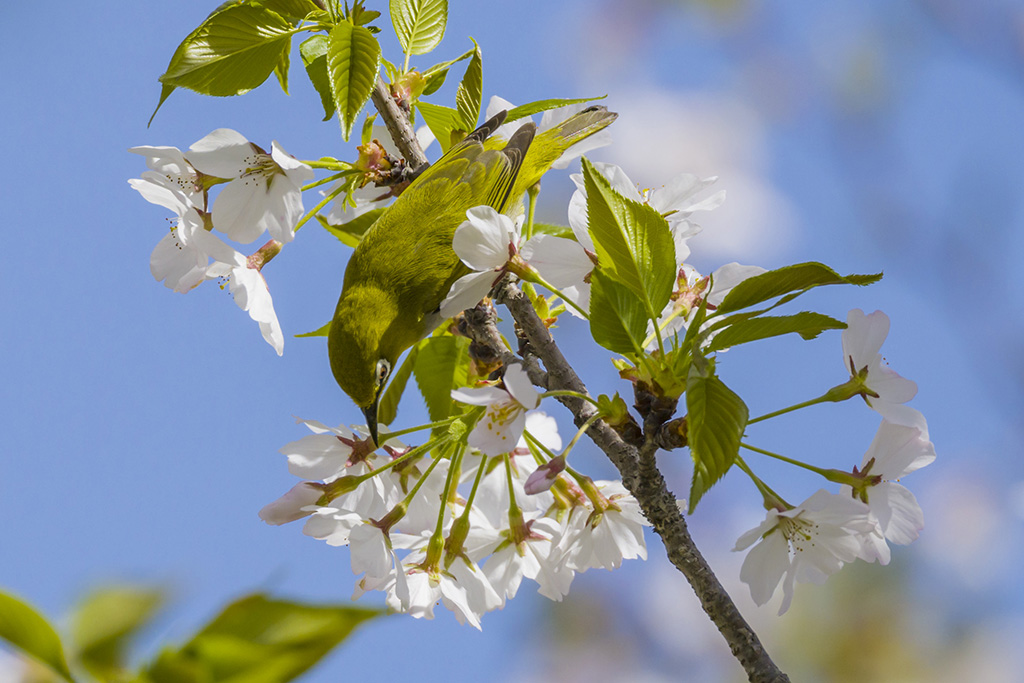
(716, 418)
(563, 231)
(26, 629)
(807, 324)
(258, 640)
(469, 96)
(232, 52)
(314, 58)
(353, 60)
(793, 280)
(104, 623)
(633, 242)
(441, 365)
(387, 411)
(419, 24)
(532, 108)
(618, 318)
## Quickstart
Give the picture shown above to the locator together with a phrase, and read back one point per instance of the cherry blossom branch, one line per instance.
(634, 459)
(398, 125)
(641, 477)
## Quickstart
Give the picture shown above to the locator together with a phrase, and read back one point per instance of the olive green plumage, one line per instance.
(403, 268)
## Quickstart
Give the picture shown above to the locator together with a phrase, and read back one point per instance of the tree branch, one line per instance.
(635, 460)
(642, 478)
(398, 125)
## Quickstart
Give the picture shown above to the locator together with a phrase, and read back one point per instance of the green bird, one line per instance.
(404, 266)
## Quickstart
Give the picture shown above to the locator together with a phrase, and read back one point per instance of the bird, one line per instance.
(404, 266)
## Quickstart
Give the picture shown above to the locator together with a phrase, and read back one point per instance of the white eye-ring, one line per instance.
(383, 370)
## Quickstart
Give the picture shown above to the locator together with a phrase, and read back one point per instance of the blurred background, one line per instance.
(141, 427)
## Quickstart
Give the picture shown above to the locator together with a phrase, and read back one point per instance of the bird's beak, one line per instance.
(370, 412)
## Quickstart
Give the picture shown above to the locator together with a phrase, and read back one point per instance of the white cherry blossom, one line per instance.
(502, 424)
(246, 284)
(862, 341)
(895, 452)
(264, 192)
(807, 543)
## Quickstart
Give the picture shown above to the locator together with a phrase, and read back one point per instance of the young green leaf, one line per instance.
(436, 75)
(716, 418)
(387, 411)
(104, 624)
(532, 108)
(442, 121)
(618, 318)
(807, 324)
(351, 232)
(563, 231)
(293, 10)
(314, 58)
(633, 241)
(26, 629)
(353, 60)
(419, 24)
(441, 365)
(259, 640)
(469, 96)
(796, 278)
(281, 69)
(230, 53)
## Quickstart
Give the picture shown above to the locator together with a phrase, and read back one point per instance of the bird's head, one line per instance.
(360, 352)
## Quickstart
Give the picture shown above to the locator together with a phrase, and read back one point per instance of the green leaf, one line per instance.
(105, 622)
(716, 418)
(281, 70)
(258, 640)
(441, 365)
(442, 121)
(419, 24)
(618, 318)
(436, 75)
(387, 411)
(321, 331)
(314, 58)
(231, 53)
(351, 232)
(165, 92)
(469, 96)
(294, 10)
(633, 242)
(796, 278)
(807, 324)
(26, 629)
(532, 108)
(563, 231)
(353, 60)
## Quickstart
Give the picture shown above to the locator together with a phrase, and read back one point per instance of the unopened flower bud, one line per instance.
(544, 476)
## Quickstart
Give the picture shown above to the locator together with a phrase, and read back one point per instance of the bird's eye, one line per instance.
(383, 370)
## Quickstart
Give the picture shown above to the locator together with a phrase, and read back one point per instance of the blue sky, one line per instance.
(142, 426)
